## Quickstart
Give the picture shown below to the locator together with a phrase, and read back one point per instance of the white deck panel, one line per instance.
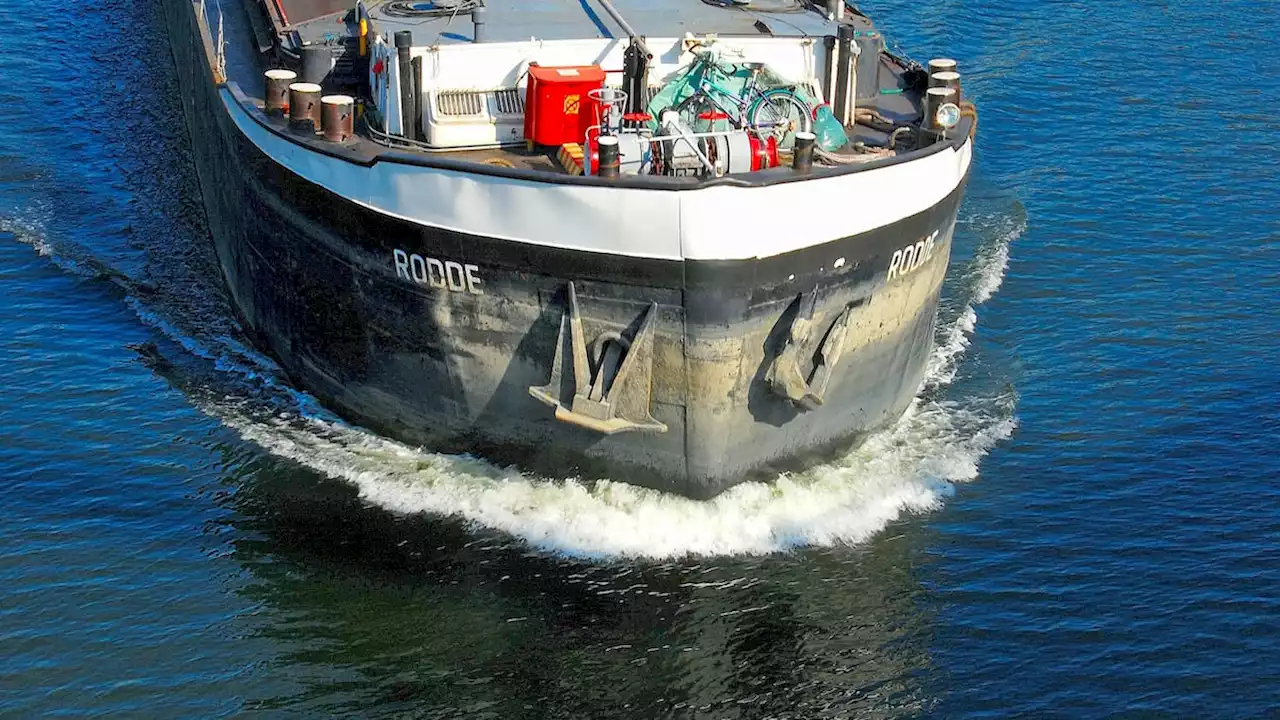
(517, 20)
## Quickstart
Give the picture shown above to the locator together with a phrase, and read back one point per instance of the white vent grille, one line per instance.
(509, 102)
(475, 103)
(460, 103)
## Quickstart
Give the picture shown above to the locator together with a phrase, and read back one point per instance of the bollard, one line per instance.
(337, 117)
(935, 98)
(610, 160)
(938, 65)
(277, 91)
(802, 152)
(304, 107)
(947, 79)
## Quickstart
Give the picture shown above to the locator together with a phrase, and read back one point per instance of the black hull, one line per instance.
(313, 277)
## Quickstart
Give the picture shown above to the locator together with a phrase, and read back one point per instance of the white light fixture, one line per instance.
(948, 115)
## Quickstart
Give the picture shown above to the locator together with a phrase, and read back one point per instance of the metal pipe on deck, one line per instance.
(479, 21)
(408, 101)
(415, 129)
(845, 59)
(829, 67)
(317, 62)
(626, 27)
(284, 19)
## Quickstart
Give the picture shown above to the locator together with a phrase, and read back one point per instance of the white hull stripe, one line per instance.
(714, 223)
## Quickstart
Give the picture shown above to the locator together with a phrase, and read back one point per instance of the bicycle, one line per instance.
(775, 111)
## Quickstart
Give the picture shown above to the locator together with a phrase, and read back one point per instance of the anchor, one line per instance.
(784, 376)
(610, 395)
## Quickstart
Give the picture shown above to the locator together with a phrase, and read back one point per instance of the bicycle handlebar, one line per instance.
(708, 56)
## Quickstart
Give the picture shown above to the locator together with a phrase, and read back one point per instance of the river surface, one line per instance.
(1079, 517)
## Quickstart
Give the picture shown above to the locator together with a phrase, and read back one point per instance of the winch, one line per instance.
(679, 152)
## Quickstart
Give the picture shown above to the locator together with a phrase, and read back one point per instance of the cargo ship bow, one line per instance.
(676, 243)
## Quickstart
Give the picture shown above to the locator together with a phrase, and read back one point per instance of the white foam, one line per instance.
(910, 468)
(991, 261)
(28, 227)
(952, 341)
(983, 278)
(995, 267)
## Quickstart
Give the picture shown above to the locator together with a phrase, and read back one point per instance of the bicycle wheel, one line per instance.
(693, 108)
(693, 105)
(780, 114)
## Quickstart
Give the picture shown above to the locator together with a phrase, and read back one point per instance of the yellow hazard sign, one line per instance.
(572, 103)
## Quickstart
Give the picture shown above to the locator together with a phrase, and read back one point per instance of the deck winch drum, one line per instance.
(304, 107)
(737, 151)
(277, 91)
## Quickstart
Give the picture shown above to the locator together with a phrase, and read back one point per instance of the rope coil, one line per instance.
(434, 8)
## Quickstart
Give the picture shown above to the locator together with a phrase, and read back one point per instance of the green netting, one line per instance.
(730, 77)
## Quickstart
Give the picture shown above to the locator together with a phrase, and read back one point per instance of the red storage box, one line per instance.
(557, 109)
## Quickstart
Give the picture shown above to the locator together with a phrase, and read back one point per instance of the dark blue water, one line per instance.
(1080, 517)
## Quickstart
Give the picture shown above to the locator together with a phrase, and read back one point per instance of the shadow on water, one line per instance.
(431, 617)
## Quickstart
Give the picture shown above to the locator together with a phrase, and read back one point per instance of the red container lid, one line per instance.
(567, 74)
